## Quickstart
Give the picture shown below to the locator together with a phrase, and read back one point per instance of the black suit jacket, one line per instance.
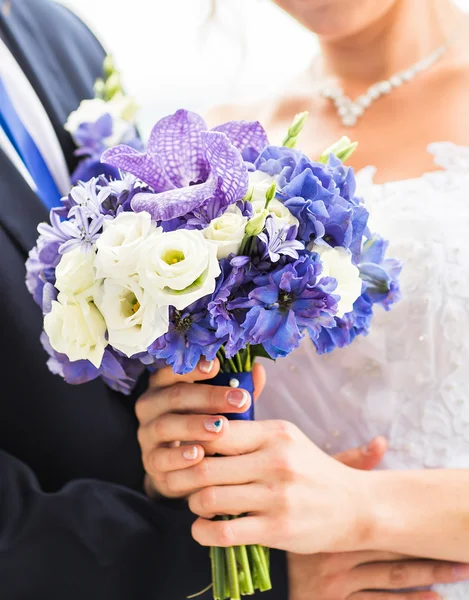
(74, 522)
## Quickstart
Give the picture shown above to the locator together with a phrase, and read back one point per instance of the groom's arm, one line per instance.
(92, 539)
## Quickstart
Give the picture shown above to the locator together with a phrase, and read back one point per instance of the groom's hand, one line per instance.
(180, 423)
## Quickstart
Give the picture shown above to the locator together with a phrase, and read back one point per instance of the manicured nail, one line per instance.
(205, 365)
(191, 453)
(461, 572)
(214, 425)
(238, 398)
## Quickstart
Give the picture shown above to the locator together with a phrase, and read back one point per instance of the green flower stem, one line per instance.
(238, 362)
(263, 577)
(265, 560)
(248, 362)
(218, 573)
(232, 572)
(232, 365)
(245, 570)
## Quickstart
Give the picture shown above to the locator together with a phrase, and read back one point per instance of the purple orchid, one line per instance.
(280, 240)
(186, 164)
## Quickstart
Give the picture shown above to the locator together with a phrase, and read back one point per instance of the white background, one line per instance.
(172, 58)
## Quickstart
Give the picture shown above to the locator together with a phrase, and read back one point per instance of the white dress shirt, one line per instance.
(34, 117)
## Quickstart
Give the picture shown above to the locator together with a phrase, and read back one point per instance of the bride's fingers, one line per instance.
(259, 377)
(366, 457)
(394, 596)
(236, 532)
(232, 470)
(228, 500)
(407, 574)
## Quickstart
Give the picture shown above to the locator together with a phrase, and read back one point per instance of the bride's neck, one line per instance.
(411, 30)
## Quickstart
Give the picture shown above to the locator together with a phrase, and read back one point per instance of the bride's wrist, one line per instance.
(381, 518)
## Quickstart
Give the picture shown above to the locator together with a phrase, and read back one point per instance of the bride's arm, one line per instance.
(301, 500)
(424, 513)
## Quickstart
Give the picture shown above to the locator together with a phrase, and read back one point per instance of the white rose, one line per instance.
(337, 263)
(75, 273)
(179, 267)
(90, 111)
(133, 319)
(259, 184)
(227, 231)
(120, 244)
(76, 329)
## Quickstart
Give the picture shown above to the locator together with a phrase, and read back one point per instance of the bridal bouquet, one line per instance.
(208, 242)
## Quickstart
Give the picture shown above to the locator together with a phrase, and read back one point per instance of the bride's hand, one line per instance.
(164, 423)
(297, 498)
(353, 576)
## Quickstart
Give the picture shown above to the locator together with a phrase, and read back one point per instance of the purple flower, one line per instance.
(287, 301)
(345, 330)
(228, 323)
(187, 165)
(280, 239)
(320, 196)
(121, 193)
(380, 274)
(62, 236)
(119, 373)
(189, 337)
(381, 286)
(92, 140)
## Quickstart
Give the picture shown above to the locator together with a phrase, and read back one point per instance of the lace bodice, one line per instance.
(409, 378)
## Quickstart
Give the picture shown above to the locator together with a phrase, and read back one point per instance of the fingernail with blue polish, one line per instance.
(214, 425)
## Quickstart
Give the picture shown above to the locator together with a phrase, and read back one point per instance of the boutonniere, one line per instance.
(102, 122)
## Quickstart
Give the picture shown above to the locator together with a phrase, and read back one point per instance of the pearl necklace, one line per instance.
(350, 111)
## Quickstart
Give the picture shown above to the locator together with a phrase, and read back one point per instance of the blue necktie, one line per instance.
(27, 150)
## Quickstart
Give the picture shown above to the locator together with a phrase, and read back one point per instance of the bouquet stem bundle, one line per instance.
(241, 570)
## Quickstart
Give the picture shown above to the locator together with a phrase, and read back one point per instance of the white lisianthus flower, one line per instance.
(120, 244)
(337, 263)
(133, 319)
(259, 183)
(76, 329)
(278, 209)
(179, 267)
(75, 274)
(227, 231)
(90, 111)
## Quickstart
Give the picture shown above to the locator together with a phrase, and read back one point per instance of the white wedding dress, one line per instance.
(408, 380)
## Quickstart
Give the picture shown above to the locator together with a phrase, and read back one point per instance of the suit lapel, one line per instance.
(20, 208)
